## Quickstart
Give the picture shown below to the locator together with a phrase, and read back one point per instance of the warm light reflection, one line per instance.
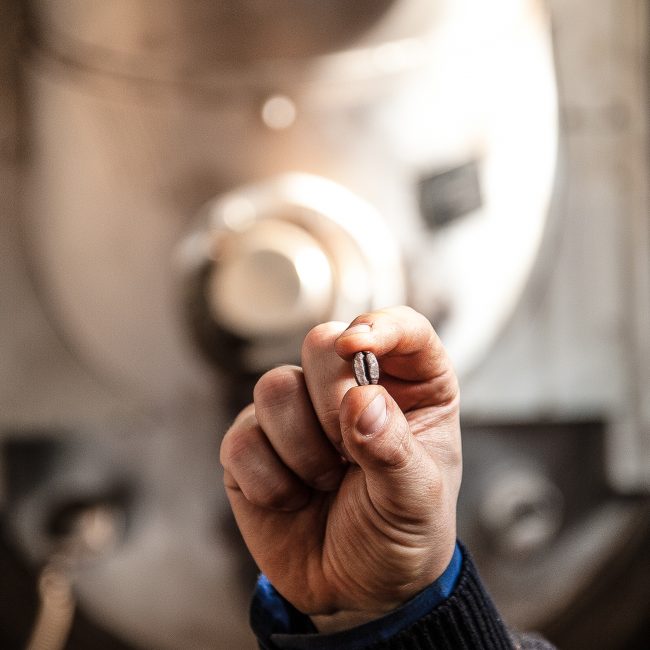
(279, 112)
(314, 271)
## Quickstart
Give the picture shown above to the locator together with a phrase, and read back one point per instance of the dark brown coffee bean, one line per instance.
(366, 368)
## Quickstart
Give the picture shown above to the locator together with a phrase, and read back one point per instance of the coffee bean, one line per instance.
(366, 368)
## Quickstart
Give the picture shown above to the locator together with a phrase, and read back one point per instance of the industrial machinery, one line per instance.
(198, 184)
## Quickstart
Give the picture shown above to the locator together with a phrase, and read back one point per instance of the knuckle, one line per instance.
(391, 450)
(446, 388)
(277, 385)
(398, 451)
(237, 444)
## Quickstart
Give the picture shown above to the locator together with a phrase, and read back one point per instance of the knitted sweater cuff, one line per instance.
(467, 620)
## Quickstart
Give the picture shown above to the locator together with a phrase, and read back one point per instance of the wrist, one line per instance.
(444, 576)
(273, 617)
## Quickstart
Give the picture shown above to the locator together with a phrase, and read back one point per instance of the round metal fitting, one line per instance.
(282, 256)
(521, 511)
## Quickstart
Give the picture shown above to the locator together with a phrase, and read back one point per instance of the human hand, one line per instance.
(346, 495)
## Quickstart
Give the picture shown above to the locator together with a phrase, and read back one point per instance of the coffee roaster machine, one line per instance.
(190, 186)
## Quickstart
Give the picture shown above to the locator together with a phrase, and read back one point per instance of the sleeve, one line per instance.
(454, 612)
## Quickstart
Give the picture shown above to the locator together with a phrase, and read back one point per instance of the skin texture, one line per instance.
(346, 495)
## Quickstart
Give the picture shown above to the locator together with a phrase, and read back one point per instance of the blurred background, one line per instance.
(188, 187)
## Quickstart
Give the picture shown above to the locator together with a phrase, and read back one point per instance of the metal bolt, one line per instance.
(521, 510)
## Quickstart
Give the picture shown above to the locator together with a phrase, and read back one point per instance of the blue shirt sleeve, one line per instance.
(279, 625)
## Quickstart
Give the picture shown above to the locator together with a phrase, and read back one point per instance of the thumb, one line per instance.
(401, 477)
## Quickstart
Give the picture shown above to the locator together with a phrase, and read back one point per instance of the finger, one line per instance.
(253, 468)
(403, 480)
(327, 377)
(285, 413)
(414, 366)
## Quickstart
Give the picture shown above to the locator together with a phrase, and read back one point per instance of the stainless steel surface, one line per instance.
(375, 122)
(581, 325)
(164, 37)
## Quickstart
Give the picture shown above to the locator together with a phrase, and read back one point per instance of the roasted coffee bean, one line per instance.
(366, 368)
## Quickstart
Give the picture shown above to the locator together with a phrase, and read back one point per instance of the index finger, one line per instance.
(411, 356)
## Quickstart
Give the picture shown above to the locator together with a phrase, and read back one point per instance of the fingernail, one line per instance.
(361, 328)
(328, 481)
(373, 417)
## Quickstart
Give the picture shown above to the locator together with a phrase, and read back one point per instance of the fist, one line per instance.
(346, 495)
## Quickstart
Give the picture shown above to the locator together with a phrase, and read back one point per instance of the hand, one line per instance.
(346, 495)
